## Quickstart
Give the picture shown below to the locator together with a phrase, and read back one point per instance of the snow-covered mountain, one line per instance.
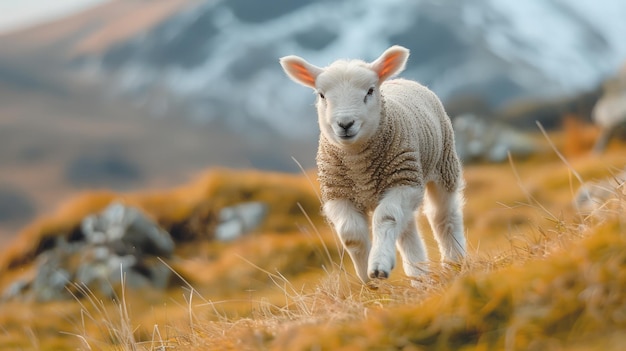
(220, 58)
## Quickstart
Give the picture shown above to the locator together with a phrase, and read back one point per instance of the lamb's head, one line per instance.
(348, 101)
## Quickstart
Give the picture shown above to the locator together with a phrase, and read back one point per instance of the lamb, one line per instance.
(384, 147)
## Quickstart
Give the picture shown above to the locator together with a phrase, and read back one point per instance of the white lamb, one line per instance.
(384, 146)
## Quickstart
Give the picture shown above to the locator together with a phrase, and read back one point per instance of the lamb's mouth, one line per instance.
(347, 136)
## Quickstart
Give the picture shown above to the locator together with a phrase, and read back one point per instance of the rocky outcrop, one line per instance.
(477, 139)
(119, 244)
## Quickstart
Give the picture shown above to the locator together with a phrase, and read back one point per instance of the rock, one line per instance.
(240, 219)
(118, 243)
(102, 268)
(131, 228)
(16, 289)
(122, 241)
(601, 198)
(479, 140)
(609, 113)
(54, 273)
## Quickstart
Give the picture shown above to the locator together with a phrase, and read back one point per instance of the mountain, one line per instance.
(219, 58)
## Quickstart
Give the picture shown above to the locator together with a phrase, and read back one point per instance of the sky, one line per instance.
(17, 14)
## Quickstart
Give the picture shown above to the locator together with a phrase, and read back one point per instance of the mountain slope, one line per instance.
(539, 275)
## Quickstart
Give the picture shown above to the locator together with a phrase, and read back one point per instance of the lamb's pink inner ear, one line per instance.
(302, 74)
(389, 65)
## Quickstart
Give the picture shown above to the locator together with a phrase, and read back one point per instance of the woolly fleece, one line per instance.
(414, 144)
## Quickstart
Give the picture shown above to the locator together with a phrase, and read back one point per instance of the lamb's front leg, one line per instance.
(391, 217)
(351, 226)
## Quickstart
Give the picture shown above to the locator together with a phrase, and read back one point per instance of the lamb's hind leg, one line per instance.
(411, 247)
(444, 210)
(351, 226)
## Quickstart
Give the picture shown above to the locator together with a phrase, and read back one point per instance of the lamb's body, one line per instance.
(404, 152)
(385, 147)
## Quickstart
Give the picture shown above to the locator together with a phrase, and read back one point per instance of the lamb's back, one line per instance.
(420, 120)
(419, 99)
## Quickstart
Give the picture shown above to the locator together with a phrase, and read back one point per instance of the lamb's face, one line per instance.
(348, 103)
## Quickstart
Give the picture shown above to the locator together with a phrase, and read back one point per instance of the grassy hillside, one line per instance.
(539, 275)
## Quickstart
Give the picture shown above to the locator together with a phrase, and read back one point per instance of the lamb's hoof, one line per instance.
(379, 274)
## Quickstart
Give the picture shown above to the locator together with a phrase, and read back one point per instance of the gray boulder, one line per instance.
(118, 243)
(477, 139)
(127, 229)
(237, 220)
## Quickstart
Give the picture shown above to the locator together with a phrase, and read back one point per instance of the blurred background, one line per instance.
(139, 94)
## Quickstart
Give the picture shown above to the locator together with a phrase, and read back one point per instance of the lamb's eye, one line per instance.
(321, 96)
(369, 93)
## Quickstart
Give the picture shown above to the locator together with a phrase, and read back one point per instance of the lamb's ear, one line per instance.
(391, 62)
(300, 71)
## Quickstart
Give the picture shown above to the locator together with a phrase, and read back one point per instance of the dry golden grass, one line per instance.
(539, 275)
(571, 297)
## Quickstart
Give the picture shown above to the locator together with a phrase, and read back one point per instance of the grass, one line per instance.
(539, 276)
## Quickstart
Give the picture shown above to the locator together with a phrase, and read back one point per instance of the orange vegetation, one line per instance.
(579, 136)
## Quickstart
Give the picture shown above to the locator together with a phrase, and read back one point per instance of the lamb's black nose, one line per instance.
(346, 126)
